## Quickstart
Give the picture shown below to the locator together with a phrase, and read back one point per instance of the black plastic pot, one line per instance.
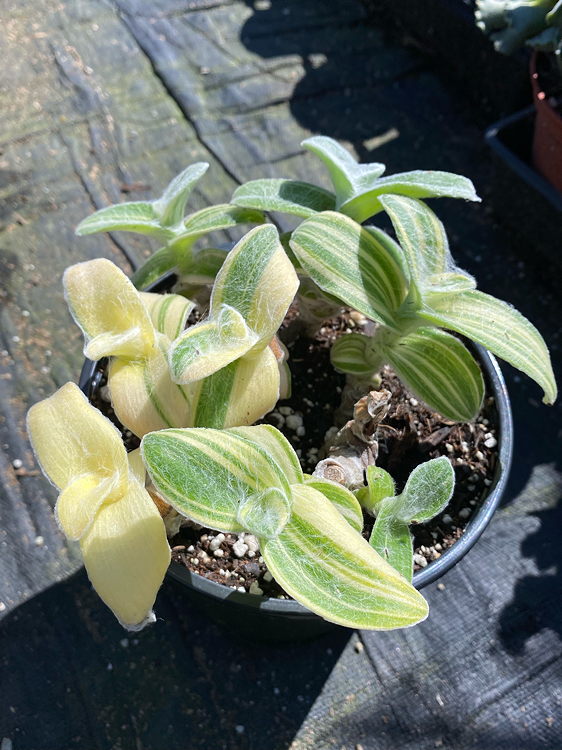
(277, 620)
(521, 197)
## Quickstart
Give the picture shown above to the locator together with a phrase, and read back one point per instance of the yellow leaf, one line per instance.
(126, 555)
(80, 500)
(108, 309)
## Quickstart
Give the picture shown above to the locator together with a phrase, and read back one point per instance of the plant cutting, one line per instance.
(193, 393)
(512, 24)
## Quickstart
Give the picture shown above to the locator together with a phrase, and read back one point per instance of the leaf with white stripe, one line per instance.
(219, 218)
(326, 565)
(278, 447)
(349, 177)
(500, 328)
(350, 354)
(159, 263)
(352, 264)
(171, 205)
(285, 196)
(168, 312)
(206, 474)
(341, 498)
(439, 369)
(250, 297)
(420, 234)
(418, 184)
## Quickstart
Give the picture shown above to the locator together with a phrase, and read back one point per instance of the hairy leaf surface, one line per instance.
(286, 196)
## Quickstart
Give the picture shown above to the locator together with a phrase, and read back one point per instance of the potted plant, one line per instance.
(512, 24)
(335, 537)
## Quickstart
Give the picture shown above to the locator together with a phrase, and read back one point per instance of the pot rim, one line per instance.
(435, 569)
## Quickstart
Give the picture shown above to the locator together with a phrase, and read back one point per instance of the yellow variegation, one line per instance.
(102, 502)
(134, 329)
(249, 479)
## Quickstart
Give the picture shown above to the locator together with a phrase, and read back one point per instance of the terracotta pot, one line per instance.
(547, 139)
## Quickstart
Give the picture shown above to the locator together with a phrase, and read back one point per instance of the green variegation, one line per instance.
(351, 354)
(168, 312)
(500, 328)
(285, 196)
(250, 297)
(428, 490)
(379, 486)
(138, 216)
(234, 480)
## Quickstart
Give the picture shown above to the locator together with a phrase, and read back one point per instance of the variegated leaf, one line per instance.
(217, 218)
(321, 561)
(439, 369)
(171, 206)
(450, 282)
(143, 395)
(138, 216)
(108, 310)
(286, 196)
(352, 264)
(420, 234)
(207, 474)
(349, 177)
(168, 312)
(500, 328)
(350, 353)
(203, 267)
(266, 513)
(155, 267)
(238, 394)
(277, 446)
(341, 498)
(126, 555)
(418, 184)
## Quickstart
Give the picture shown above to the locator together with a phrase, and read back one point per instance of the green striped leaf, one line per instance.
(266, 513)
(155, 267)
(327, 566)
(380, 485)
(139, 216)
(392, 539)
(352, 264)
(420, 234)
(168, 312)
(286, 196)
(171, 206)
(341, 498)
(206, 475)
(251, 295)
(276, 445)
(451, 282)
(238, 394)
(418, 184)
(203, 267)
(439, 369)
(218, 218)
(349, 177)
(350, 354)
(500, 328)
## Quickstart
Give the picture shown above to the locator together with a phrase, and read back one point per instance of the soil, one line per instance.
(410, 434)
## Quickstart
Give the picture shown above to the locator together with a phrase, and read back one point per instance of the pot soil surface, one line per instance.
(410, 434)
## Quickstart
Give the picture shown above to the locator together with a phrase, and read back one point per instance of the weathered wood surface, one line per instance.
(103, 101)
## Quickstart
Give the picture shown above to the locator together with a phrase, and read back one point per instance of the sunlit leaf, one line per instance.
(155, 267)
(139, 216)
(168, 312)
(380, 485)
(266, 513)
(341, 498)
(350, 353)
(171, 206)
(285, 196)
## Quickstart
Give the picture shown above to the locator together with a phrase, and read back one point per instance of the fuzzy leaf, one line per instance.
(351, 263)
(217, 218)
(349, 177)
(171, 206)
(286, 196)
(450, 282)
(81, 452)
(266, 513)
(427, 492)
(418, 184)
(206, 474)
(168, 312)
(155, 267)
(203, 267)
(139, 216)
(380, 485)
(239, 394)
(143, 395)
(500, 328)
(108, 310)
(327, 566)
(420, 234)
(341, 498)
(126, 555)
(391, 538)
(277, 446)
(439, 369)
